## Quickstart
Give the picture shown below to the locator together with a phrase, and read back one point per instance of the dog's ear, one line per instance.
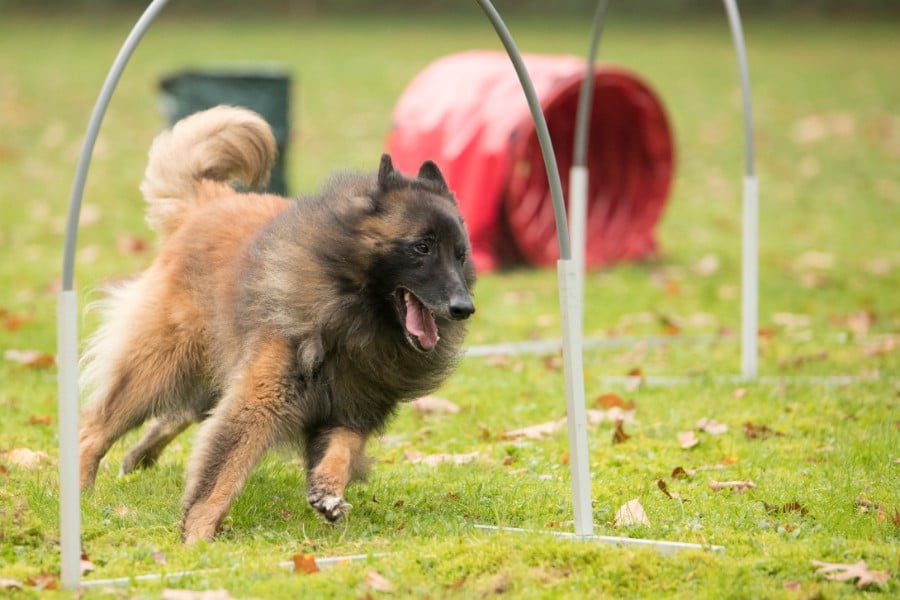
(429, 171)
(386, 172)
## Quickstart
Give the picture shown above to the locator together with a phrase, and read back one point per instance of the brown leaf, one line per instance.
(846, 572)
(631, 513)
(44, 581)
(688, 439)
(42, 420)
(619, 435)
(682, 473)
(33, 359)
(736, 486)
(305, 563)
(379, 583)
(754, 432)
(663, 487)
(707, 265)
(430, 405)
(614, 401)
(131, 244)
(86, 565)
(14, 322)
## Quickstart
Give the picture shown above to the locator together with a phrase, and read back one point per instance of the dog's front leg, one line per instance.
(247, 422)
(334, 457)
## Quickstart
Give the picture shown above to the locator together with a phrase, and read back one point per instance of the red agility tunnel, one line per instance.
(467, 112)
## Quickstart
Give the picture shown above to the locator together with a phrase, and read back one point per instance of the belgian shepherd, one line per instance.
(273, 321)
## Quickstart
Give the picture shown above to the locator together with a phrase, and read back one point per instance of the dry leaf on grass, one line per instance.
(44, 581)
(40, 420)
(431, 405)
(711, 426)
(665, 490)
(619, 435)
(10, 584)
(25, 458)
(736, 486)
(33, 359)
(631, 513)
(305, 563)
(757, 432)
(687, 439)
(786, 508)
(846, 572)
(535, 432)
(433, 460)
(379, 583)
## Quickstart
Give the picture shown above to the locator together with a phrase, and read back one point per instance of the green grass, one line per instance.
(837, 195)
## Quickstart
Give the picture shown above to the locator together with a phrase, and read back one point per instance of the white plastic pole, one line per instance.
(578, 184)
(750, 255)
(69, 493)
(67, 325)
(750, 278)
(570, 308)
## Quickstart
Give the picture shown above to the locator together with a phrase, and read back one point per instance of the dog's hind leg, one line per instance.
(147, 370)
(252, 416)
(160, 432)
(334, 458)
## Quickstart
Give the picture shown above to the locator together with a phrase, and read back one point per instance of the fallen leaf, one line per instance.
(793, 586)
(42, 420)
(430, 405)
(846, 572)
(711, 426)
(33, 359)
(13, 322)
(730, 460)
(665, 490)
(739, 393)
(86, 565)
(630, 513)
(614, 400)
(379, 583)
(681, 473)
(815, 260)
(433, 460)
(535, 432)
(688, 439)
(25, 458)
(305, 563)
(10, 584)
(619, 434)
(882, 347)
(44, 581)
(736, 486)
(707, 265)
(754, 432)
(131, 244)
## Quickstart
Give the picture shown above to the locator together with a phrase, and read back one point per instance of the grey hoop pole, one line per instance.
(578, 173)
(750, 220)
(569, 299)
(67, 325)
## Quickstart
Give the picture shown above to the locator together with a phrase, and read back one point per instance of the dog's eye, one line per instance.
(422, 248)
(461, 257)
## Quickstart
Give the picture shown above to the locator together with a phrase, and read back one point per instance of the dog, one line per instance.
(273, 321)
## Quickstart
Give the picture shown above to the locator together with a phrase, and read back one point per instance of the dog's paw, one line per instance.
(330, 507)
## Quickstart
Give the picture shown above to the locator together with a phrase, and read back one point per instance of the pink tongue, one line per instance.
(420, 323)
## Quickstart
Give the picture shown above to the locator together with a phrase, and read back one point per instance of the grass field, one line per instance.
(823, 454)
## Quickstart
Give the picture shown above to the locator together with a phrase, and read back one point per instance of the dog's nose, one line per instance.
(461, 307)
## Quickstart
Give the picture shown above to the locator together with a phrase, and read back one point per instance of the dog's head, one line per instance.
(425, 269)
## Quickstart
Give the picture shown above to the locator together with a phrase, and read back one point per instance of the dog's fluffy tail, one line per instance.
(222, 144)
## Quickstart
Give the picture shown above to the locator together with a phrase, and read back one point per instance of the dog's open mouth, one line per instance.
(418, 321)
